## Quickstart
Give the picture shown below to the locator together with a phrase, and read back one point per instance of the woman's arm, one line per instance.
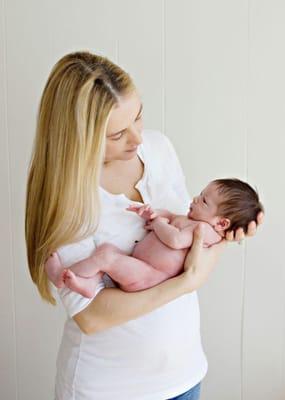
(112, 306)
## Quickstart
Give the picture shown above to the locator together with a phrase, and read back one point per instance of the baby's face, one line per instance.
(205, 206)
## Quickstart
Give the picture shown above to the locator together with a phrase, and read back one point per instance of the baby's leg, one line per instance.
(83, 276)
(129, 272)
(100, 260)
(133, 274)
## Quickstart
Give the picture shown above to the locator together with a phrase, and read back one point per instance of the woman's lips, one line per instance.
(134, 149)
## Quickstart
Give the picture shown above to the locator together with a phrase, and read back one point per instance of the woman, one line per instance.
(90, 150)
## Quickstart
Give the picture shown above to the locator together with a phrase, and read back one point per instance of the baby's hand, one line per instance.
(149, 226)
(145, 211)
(164, 220)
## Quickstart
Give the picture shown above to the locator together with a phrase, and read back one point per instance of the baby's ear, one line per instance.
(222, 224)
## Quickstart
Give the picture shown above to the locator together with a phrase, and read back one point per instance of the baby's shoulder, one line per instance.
(182, 221)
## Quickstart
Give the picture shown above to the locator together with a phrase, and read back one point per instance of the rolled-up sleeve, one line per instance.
(73, 302)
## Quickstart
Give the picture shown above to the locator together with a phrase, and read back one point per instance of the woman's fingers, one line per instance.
(230, 236)
(251, 229)
(239, 235)
(260, 218)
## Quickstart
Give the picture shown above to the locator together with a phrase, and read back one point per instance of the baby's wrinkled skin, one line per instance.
(157, 257)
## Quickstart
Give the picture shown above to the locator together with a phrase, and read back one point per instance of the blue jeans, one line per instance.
(192, 394)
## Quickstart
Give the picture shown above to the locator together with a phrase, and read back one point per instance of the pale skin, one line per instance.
(159, 256)
(122, 169)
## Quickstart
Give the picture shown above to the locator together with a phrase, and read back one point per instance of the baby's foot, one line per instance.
(84, 286)
(54, 269)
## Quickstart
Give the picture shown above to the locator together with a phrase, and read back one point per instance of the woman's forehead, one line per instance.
(124, 112)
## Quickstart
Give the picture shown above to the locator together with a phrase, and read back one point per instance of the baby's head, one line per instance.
(226, 204)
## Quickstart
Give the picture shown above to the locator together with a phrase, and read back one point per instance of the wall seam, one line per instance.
(117, 51)
(244, 255)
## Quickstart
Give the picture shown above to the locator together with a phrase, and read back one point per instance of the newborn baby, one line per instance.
(225, 204)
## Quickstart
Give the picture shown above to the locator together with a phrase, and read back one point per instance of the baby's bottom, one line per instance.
(130, 273)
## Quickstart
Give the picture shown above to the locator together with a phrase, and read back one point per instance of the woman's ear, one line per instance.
(222, 224)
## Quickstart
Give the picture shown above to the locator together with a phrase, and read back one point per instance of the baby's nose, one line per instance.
(195, 199)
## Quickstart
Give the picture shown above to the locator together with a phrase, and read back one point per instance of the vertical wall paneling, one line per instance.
(28, 62)
(264, 312)
(140, 52)
(206, 63)
(8, 374)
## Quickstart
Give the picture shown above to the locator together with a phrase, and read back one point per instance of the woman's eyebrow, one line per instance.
(140, 110)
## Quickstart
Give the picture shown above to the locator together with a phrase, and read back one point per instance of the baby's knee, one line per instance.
(107, 252)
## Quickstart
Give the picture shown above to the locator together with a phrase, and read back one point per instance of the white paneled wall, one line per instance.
(211, 75)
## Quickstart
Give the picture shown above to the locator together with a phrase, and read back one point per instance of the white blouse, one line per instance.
(153, 357)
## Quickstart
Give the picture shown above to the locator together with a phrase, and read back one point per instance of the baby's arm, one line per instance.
(147, 213)
(182, 238)
(170, 234)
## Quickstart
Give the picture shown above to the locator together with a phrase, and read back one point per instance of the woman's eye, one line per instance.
(118, 136)
(139, 117)
(204, 201)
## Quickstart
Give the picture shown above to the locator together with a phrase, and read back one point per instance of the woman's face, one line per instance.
(124, 128)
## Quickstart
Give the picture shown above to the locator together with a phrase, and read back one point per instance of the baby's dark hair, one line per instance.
(240, 203)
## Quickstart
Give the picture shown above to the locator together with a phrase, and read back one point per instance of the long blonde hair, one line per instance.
(62, 200)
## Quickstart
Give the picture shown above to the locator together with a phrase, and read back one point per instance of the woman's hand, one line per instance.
(239, 234)
(200, 261)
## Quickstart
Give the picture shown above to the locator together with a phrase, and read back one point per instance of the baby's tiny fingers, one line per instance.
(132, 208)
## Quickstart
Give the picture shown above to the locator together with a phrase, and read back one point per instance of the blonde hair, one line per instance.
(62, 200)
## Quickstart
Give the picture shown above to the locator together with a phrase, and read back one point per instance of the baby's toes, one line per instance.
(64, 275)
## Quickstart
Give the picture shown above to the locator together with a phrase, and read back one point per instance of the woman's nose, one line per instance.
(134, 136)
